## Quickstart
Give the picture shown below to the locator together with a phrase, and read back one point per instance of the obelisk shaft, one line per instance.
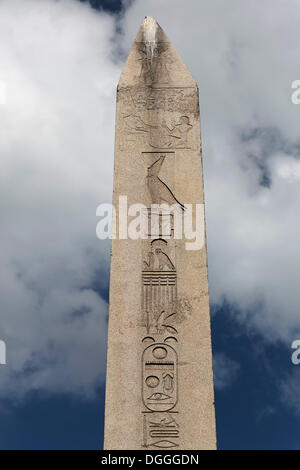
(159, 387)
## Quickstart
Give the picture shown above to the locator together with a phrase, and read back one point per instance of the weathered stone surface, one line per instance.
(159, 388)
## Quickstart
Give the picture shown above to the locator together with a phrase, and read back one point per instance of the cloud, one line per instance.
(245, 63)
(225, 371)
(56, 146)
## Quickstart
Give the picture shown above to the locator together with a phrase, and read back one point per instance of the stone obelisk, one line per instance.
(159, 387)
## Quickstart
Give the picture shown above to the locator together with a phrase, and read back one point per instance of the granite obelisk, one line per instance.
(159, 387)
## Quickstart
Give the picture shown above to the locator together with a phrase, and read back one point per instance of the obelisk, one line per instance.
(159, 385)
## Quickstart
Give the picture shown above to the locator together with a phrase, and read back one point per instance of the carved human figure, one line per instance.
(180, 132)
(163, 136)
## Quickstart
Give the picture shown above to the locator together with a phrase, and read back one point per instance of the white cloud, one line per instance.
(225, 371)
(287, 168)
(56, 146)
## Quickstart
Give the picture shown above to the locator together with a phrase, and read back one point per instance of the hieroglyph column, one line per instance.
(159, 387)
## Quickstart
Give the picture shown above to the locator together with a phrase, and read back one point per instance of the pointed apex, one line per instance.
(150, 28)
(153, 61)
(149, 23)
(149, 18)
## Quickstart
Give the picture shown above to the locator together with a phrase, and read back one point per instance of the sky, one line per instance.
(60, 64)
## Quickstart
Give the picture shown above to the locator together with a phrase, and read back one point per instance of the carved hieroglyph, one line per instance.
(159, 388)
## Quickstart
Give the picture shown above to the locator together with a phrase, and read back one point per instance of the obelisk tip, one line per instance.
(150, 36)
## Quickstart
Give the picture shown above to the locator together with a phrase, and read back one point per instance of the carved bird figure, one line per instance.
(163, 260)
(158, 189)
